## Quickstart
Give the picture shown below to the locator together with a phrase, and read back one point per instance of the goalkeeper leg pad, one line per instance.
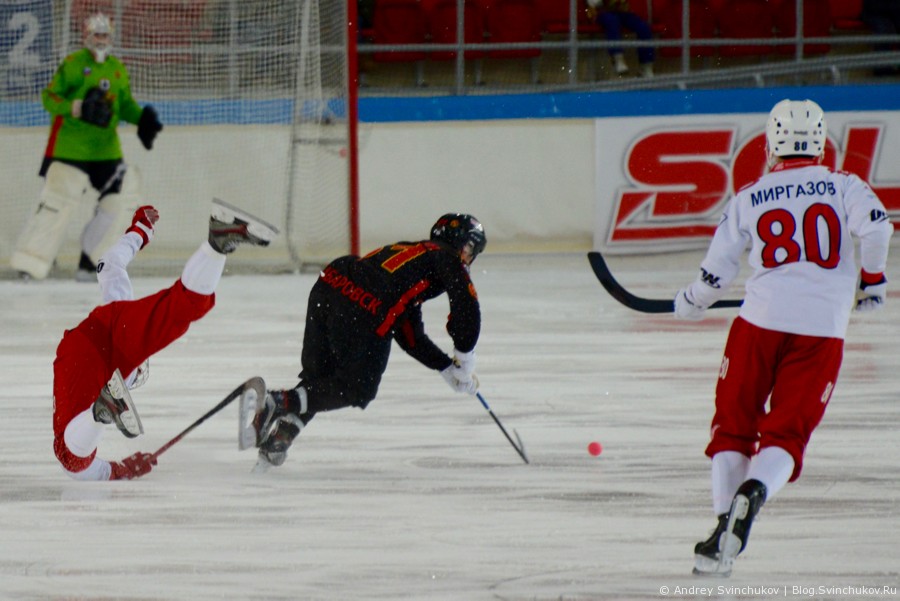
(39, 243)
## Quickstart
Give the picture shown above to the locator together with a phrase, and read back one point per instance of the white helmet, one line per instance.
(795, 128)
(98, 33)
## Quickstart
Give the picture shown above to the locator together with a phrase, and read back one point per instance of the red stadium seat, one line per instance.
(400, 22)
(515, 21)
(642, 9)
(702, 26)
(816, 24)
(845, 15)
(554, 17)
(746, 19)
(442, 24)
(511, 21)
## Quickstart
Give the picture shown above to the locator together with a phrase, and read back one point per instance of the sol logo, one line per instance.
(723, 369)
(682, 178)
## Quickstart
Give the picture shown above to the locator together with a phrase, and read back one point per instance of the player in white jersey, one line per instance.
(786, 344)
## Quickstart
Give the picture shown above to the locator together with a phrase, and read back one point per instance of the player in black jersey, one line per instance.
(357, 306)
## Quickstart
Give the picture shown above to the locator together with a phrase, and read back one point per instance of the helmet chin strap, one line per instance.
(100, 54)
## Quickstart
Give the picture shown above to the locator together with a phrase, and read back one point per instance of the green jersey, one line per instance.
(72, 138)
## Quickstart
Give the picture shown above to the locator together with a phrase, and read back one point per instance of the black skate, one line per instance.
(114, 405)
(230, 226)
(715, 556)
(706, 553)
(274, 447)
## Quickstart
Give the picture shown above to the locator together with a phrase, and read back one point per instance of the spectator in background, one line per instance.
(365, 11)
(883, 18)
(612, 16)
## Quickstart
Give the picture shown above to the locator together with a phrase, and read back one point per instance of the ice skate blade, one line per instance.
(246, 414)
(712, 568)
(227, 213)
(262, 466)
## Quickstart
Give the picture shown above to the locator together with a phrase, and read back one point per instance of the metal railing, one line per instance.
(849, 52)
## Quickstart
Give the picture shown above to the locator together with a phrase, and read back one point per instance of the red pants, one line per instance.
(119, 335)
(795, 373)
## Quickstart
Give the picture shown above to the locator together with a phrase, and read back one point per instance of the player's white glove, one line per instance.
(464, 361)
(872, 291)
(460, 382)
(686, 307)
(460, 375)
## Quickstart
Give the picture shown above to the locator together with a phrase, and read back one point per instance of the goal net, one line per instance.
(258, 110)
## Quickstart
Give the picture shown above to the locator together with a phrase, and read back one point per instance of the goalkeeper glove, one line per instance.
(96, 108)
(148, 126)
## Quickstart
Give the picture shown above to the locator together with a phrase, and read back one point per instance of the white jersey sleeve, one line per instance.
(112, 268)
(869, 222)
(799, 222)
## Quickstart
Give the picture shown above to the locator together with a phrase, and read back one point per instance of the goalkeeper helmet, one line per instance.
(98, 34)
(461, 232)
(795, 128)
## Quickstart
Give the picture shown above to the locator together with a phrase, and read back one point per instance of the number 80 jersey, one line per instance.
(799, 221)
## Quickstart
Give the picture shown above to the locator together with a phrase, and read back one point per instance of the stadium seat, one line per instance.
(702, 26)
(554, 17)
(400, 22)
(816, 24)
(511, 21)
(642, 8)
(845, 15)
(745, 19)
(442, 25)
(514, 21)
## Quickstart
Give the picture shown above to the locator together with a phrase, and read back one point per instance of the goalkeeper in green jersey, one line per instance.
(89, 95)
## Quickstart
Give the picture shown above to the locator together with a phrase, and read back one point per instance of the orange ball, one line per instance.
(595, 448)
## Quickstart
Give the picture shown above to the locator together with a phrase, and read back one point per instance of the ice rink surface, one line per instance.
(420, 496)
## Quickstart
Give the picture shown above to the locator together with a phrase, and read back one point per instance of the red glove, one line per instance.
(132, 467)
(142, 223)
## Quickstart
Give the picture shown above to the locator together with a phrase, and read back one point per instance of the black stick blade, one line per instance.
(637, 303)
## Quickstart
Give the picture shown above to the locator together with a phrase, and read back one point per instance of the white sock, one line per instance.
(203, 270)
(729, 471)
(83, 434)
(773, 467)
(99, 469)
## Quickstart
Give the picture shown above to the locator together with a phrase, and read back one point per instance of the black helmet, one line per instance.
(459, 230)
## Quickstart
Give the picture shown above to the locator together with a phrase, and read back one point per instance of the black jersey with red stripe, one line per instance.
(389, 284)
